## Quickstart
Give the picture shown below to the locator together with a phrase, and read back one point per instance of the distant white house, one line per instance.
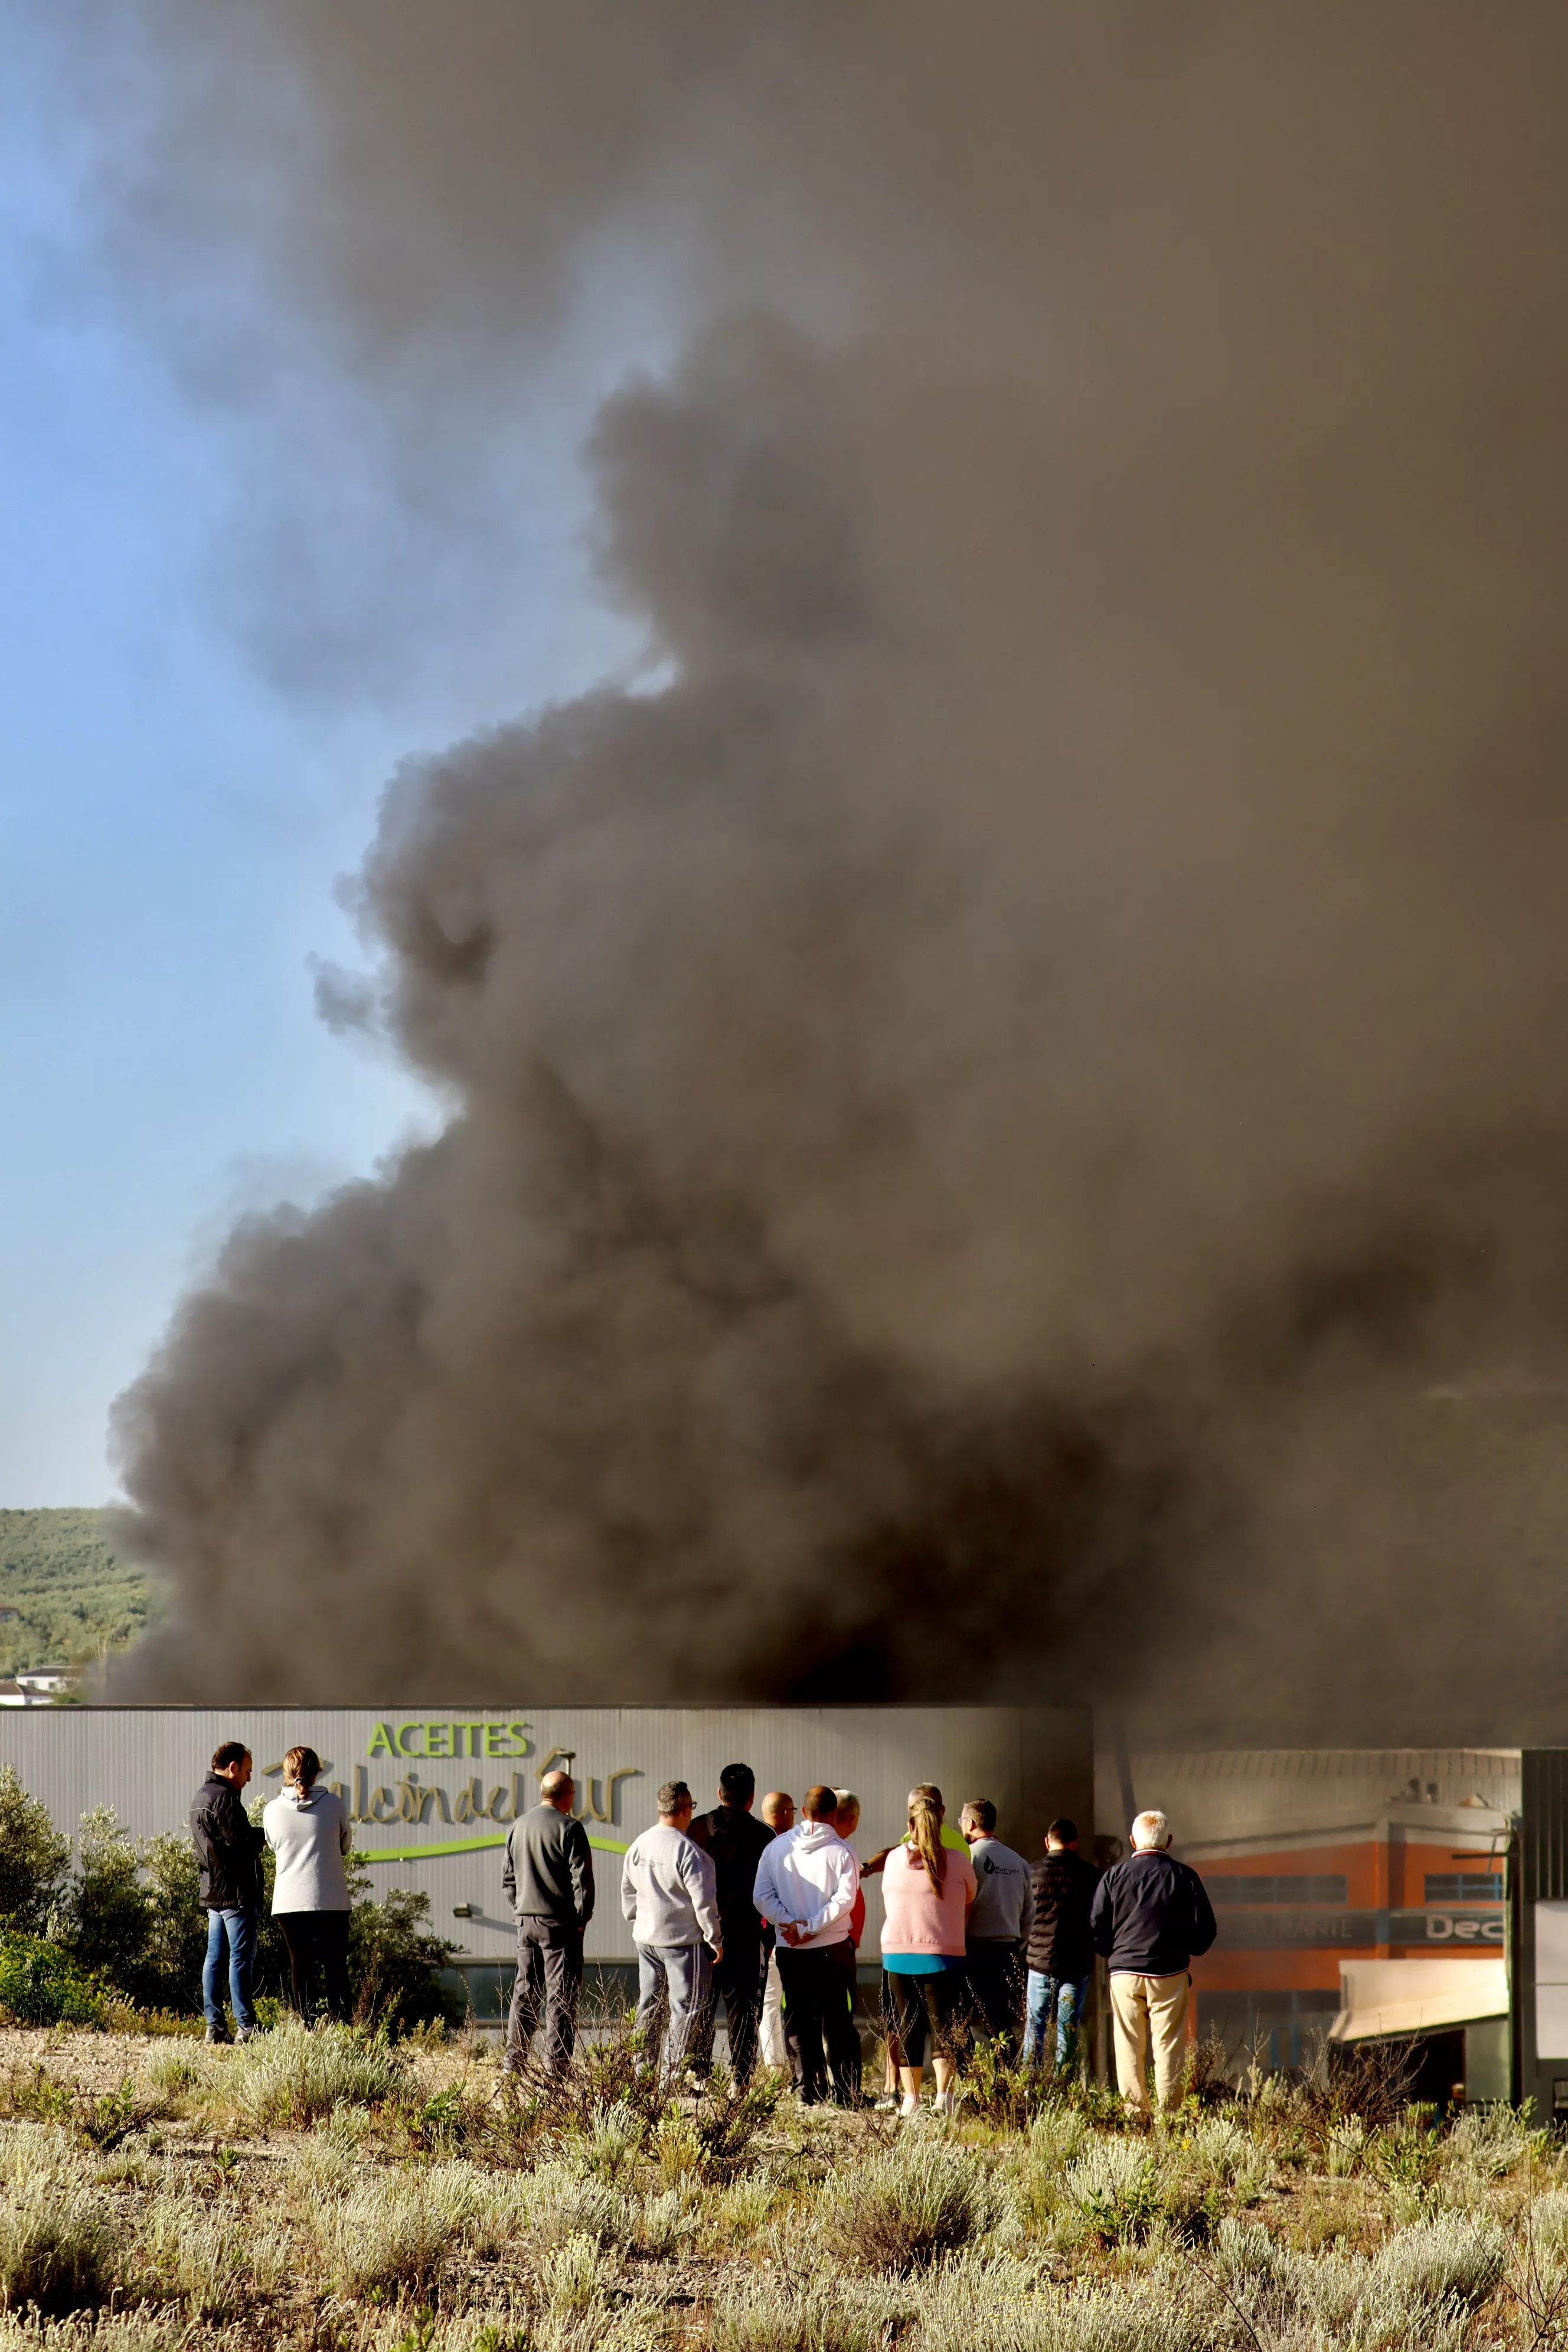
(34, 1687)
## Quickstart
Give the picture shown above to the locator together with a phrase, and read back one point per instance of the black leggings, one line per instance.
(914, 2006)
(318, 1945)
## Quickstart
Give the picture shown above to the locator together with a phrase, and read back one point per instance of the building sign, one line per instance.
(375, 1791)
(1355, 1930)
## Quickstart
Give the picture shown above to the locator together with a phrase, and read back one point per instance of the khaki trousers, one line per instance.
(1145, 2009)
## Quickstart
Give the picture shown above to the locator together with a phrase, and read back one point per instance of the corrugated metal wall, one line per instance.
(434, 1786)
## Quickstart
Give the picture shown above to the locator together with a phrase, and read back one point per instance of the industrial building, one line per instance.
(433, 1789)
(1359, 1894)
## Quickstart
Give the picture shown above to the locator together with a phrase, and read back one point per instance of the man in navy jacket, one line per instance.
(1151, 1919)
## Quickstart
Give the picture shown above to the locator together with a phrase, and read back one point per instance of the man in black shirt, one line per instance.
(228, 1855)
(1060, 1947)
(734, 1841)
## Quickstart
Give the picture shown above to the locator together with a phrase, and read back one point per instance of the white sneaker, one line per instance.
(910, 2104)
(946, 2102)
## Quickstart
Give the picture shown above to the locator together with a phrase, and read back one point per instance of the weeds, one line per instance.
(770, 2315)
(324, 2190)
(55, 2251)
(293, 2075)
(394, 2234)
(908, 2205)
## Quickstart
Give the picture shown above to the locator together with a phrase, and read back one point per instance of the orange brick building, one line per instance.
(1313, 1857)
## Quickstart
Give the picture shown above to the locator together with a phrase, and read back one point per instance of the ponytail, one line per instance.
(925, 1830)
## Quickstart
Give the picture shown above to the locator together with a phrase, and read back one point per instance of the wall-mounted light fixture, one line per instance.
(462, 1911)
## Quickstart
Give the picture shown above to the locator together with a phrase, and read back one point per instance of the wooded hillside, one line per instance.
(74, 1599)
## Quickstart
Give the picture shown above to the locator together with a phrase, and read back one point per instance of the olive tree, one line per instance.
(33, 1857)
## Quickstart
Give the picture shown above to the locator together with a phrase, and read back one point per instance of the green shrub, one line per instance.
(1115, 2184)
(395, 1961)
(132, 1913)
(33, 1857)
(42, 1985)
(176, 1940)
(396, 1964)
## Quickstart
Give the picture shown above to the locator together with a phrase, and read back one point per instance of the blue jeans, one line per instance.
(236, 1929)
(1059, 1996)
(672, 1997)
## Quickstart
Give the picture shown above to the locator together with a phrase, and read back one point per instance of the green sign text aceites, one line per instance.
(476, 1736)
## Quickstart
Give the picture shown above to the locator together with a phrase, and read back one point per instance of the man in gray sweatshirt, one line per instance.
(669, 1893)
(997, 1936)
(548, 1882)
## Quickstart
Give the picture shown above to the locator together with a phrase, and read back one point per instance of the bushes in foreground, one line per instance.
(424, 2204)
(42, 1985)
(126, 1926)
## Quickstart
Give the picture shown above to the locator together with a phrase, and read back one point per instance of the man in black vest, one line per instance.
(734, 1841)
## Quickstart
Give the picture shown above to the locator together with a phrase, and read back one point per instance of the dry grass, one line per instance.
(320, 2191)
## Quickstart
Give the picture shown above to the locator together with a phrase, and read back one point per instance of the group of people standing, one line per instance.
(764, 1915)
(309, 1831)
(767, 1916)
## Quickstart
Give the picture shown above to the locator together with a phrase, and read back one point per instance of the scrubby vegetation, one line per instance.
(116, 1934)
(76, 1601)
(334, 2189)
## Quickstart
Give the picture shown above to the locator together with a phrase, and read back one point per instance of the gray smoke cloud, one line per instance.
(1006, 1116)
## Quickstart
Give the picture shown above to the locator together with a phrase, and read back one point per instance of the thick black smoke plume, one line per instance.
(1009, 1115)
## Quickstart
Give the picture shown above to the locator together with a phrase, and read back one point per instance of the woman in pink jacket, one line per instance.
(927, 1889)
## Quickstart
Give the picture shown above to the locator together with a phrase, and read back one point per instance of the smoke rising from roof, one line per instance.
(991, 1089)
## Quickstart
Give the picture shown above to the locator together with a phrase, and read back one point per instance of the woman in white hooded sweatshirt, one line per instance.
(308, 1829)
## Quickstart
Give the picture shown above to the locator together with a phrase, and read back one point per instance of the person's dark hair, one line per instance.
(820, 1804)
(233, 1752)
(672, 1796)
(985, 1812)
(739, 1783)
(302, 1767)
(1063, 1830)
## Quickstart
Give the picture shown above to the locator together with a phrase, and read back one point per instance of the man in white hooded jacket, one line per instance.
(806, 1884)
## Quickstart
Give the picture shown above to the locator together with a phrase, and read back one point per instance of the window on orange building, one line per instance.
(1231, 1887)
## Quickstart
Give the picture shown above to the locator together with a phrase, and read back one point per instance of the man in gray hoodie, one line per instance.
(670, 1893)
(548, 1882)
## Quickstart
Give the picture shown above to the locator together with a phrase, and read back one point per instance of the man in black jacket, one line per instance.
(548, 1882)
(228, 1852)
(1151, 1919)
(735, 1843)
(1061, 1949)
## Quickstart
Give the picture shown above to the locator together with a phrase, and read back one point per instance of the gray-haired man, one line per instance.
(1151, 1918)
(548, 1882)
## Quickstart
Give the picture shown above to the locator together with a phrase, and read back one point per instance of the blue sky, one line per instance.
(172, 822)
